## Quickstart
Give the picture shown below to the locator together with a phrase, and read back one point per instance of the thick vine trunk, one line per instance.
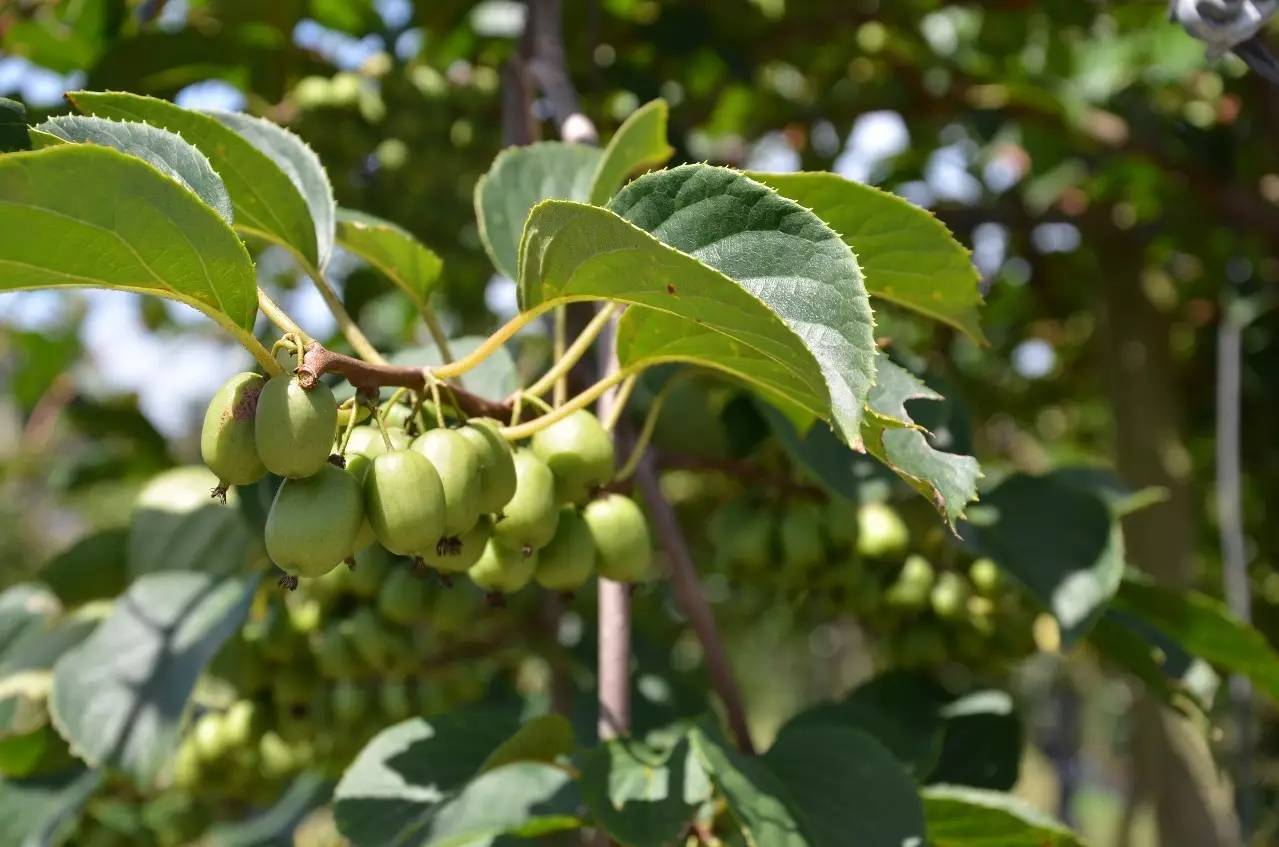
(1172, 764)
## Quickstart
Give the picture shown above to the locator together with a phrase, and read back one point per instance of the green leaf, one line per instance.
(846, 787)
(400, 777)
(94, 568)
(1125, 642)
(982, 744)
(908, 256)
(303, 168)
(13, 126)
(392, 250)
(1061, 541)
(40, 811)
(166, 151)
(755, 795)
(84, 215)
(525, 799)
(643, 796)
(971, 817)
(574, 251)
(780, 253)
(1204, 627)
(267, 203)
(119, 697)
(638, 144)
(25, 608)
(542, 739)
(176, 526)
(519, 179)
(900, 709)
(947, 480)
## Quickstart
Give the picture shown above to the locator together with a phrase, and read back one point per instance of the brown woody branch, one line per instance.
(367, 378)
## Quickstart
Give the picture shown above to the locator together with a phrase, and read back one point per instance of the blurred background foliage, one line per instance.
(1120, 195)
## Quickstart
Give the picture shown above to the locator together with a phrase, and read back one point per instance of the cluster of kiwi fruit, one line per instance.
(454, 499)
(303, 686)
(923, 600)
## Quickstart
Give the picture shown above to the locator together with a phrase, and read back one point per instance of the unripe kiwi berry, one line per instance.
(801, 537)
(579, 452)
(985, 576)
(350, 701)
(458, 466)
(333, 655)
(624, 551)
(313, 522)
(394, 700)
(294, 427)
(227, 442)
(497, 462)
(402, 599)
(357, 465)
(369, 441)
(949, 596)
(743, 536)
(528, 521)
(569, 560)
(372, 564)
(502, 569)
(404, 499)
(914, 584)
(881, 533)
(465, 552)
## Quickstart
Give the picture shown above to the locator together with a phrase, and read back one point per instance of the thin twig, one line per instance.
(1234, 570)
(368, 377)
(692, 602)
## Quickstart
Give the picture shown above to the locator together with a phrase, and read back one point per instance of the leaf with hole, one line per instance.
(84, 215)
(267, 204)
(947, 480)
(908, 256)
(166, 151)
(119, 697)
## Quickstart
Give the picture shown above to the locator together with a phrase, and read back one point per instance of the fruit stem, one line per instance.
(619, 403)
(346, 324)
(438, 335)
(264, 356)
(567, 359)
(279, 317)
(521, 431)
(560, 393)
(650, 423)
(503, 334)
(381, 426)
(350, 424)
(435, 399)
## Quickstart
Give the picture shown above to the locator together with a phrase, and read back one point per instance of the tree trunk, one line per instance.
(1172, 764)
